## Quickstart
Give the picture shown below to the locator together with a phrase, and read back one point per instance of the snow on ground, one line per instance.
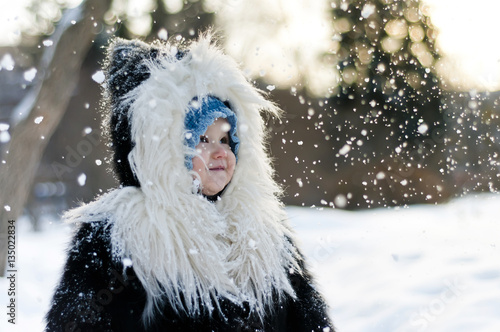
(421, 268)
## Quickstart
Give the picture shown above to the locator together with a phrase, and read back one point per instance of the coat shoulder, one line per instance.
(308, 311)
(84, 279)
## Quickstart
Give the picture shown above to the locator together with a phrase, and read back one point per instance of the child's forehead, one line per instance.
(220, 123)
(220, 120)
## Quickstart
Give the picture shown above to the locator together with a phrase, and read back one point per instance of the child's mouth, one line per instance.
(218, 168)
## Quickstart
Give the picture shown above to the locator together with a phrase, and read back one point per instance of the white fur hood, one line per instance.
(179, 242)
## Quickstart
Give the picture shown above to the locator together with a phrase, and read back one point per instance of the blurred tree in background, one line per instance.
(386, 57)
(428, 142)
(42, 108)
(379, 137)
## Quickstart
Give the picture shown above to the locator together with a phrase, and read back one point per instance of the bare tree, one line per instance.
(43, 109)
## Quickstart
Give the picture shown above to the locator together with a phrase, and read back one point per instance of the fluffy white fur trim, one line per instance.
(178, 241)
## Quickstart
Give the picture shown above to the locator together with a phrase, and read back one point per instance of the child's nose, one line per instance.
(219, 151)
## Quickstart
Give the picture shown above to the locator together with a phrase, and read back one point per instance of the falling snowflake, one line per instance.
(30, 74)
(340, 201)
(163, 34)
(345, 149)
(98, 77)
(7, 62)
(127, 262)
(423, 128)
(4, 136)
(82, 178)
(368, 10)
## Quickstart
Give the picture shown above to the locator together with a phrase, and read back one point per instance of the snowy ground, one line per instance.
(422, 268)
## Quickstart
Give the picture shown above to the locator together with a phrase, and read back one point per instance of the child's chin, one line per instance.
(212, 190)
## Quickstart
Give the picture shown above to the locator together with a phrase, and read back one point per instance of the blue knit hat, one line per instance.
(200, 115)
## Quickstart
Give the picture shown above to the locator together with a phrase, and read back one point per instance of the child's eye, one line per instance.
(224, 140)
(203, 139)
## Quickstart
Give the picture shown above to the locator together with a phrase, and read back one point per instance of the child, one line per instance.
(195, 238)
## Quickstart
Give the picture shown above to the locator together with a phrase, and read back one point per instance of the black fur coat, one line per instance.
(97, 293)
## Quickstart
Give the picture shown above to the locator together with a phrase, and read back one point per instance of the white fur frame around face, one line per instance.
(237, 247)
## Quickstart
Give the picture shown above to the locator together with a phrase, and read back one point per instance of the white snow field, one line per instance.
(421, 268)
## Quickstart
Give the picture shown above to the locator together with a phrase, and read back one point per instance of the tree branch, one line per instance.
(48, 102)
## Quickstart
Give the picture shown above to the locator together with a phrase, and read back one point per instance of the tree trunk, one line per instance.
(48, 101)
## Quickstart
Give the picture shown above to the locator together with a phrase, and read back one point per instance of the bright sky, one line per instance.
(9, 21)
(14, 17)
(467, 35)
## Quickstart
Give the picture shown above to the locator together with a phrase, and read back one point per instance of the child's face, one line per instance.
(215, 161)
